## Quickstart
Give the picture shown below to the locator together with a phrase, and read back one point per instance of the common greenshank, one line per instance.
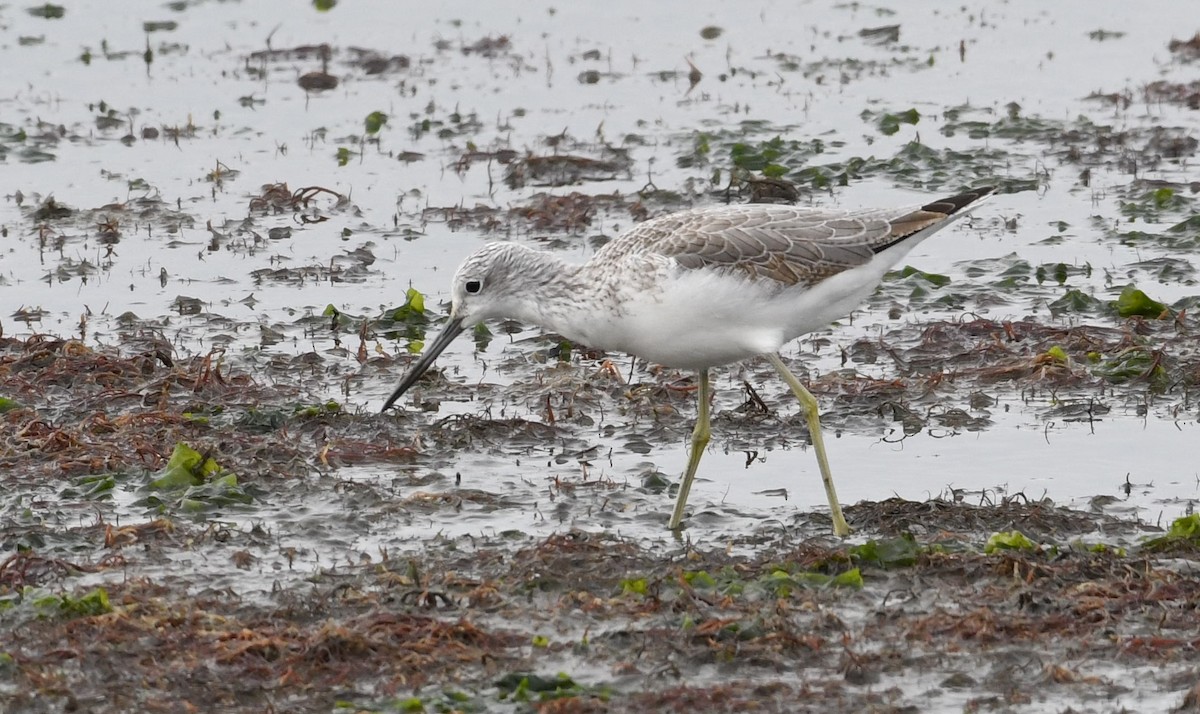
(699, 289)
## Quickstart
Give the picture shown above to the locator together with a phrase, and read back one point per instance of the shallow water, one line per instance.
(592, 81)
(251, 117)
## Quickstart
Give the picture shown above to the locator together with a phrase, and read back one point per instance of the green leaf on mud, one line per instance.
(1184, 534)
(1105, 548)
(91, 486)
(1074, 301)
(1058, 270)
(774, 170)
(324, 5)
(343, 156)
(1162, 196)
(899, 552)
(1186, 527)
(519, 685)
(413, 309)
(261, 421)
(93, 603)
(781, 583)
(908, 271)
(1184, 235)
(1012, 540)
(48, 11)
(1135, 302)
(852, 578)
(415, 300)
(223, 491)
(1191, 225)
(1058, 354)
(186, 467)
(206, 484)
(311, 411)
(1149, 206)
(633, 586)
(889, 123)
(375, 122)
(655, 481)
(700, 579)
(7, 404)
(1132, 363)
(482, 336)
(756, 158)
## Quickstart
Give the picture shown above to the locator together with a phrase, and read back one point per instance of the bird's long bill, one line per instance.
(439, 344)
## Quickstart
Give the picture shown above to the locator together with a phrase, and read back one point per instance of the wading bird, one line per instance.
(699, 289)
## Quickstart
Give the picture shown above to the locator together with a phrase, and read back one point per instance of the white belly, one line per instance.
(691, 319)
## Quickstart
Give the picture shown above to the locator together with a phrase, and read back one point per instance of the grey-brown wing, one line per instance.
(789, 249)
(790, 245)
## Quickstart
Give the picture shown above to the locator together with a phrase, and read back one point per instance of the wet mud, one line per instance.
(225, 243)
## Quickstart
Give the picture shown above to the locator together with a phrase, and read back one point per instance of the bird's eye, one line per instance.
(473, 286)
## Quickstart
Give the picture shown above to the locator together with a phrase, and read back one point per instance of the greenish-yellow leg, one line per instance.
(809, 404)
(700, 436)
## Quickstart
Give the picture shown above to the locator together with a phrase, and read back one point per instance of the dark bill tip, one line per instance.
(451, 330)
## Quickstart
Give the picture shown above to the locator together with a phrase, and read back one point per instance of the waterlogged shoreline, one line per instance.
(228, 233)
